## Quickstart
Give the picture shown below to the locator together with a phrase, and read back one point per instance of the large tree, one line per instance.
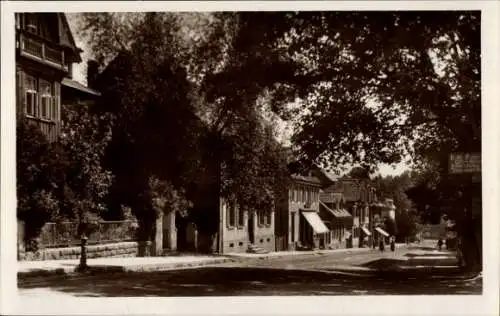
(366, 87)
(373, 87)
(210, 144)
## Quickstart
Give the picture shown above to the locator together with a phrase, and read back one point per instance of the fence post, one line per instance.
(20, 240)
(158, 238)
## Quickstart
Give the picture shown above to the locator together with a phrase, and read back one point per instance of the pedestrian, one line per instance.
(393, 243)
(381, 245)
(440, 244)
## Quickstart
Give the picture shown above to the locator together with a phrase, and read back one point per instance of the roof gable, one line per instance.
(66, 38)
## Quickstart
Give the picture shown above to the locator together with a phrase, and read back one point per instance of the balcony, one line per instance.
(37, 49)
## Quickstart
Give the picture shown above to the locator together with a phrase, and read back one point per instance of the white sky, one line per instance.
(80, 70)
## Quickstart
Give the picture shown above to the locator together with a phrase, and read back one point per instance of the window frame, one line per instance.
(30, 88)
(46, 95)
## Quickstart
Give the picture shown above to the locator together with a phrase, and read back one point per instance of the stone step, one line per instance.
(256, 249)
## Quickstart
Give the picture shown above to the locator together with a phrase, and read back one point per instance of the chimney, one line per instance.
(92, 72)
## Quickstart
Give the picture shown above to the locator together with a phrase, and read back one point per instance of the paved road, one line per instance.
(297, 275)
(320, 261)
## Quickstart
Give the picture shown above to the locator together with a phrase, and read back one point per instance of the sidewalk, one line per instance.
(281, 254)
(135, 264)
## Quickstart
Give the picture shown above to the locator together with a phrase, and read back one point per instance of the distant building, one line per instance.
(357, 197)
(298, 222)
(245, 230)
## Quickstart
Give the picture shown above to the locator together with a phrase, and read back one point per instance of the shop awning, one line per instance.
(315, 221)
(381, 231)
(342, 213)
(366, 231)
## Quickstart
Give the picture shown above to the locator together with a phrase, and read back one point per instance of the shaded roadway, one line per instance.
(297, 275)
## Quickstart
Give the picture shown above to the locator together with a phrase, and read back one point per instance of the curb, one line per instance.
(315, 253)
(117, 268)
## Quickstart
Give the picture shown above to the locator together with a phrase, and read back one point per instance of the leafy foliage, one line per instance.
(203, 145)
(36, 180)
(62, 180)
(84, 138)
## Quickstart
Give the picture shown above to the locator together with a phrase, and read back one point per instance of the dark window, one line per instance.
(231, 214)
(241, 216)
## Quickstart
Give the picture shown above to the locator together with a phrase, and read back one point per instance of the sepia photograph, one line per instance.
(247, 153)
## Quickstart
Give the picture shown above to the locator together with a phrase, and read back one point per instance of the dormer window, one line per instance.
(31, 23)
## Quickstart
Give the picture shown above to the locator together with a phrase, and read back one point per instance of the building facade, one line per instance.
(45, 53)
(357, 197)
(298, 221)
(338, 220)
(245, 230)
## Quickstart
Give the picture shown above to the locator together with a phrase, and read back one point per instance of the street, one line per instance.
(292, 275)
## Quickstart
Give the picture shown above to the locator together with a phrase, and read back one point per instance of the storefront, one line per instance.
(313, 232)
(339, 222)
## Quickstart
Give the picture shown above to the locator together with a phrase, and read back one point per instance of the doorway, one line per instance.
(251, 232)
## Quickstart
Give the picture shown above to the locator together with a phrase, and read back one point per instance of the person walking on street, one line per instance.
(440, 244)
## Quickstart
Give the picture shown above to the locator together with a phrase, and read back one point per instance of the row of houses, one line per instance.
(318, 211)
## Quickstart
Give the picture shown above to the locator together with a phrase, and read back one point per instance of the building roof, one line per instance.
(308, 179)
(352, 189)
(78, 86)
(338, 213)
(331, 197)
(66, 37)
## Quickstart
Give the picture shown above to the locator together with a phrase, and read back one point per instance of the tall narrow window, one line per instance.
(46, 104)
(231, 214)
(268, 218)
(30, 95)
(261, 215)
(241, 216)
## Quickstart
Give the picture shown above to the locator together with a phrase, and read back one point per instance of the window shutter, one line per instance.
(228, 214)
(21, 102)
(57, 101)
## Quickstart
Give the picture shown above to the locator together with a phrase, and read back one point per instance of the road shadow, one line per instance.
(384, 263)
(437, 254)
(223, 281)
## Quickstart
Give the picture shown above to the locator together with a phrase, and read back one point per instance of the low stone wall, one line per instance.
(122, 249)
